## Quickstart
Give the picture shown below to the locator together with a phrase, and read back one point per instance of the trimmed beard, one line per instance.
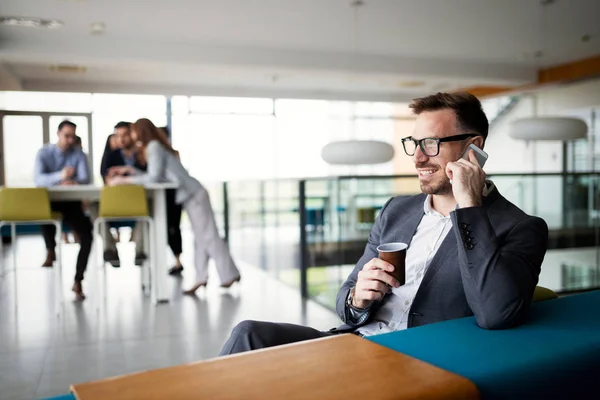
(437, 188)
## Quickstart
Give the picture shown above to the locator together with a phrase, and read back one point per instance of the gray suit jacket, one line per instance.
(488, 264)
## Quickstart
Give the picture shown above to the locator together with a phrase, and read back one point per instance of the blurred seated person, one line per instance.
(112, 143)
(64, 164)
(65, 236)
(125, 154)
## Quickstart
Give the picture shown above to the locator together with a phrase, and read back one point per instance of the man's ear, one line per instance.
(478, 141)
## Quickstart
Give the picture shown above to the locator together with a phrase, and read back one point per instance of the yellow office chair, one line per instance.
(31, 206)
(126, 203)
(541, 293)
(365, 215)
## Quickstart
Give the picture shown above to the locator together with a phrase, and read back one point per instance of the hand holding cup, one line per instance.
(395, 254)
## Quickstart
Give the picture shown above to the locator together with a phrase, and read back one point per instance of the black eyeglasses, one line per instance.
(431, 146)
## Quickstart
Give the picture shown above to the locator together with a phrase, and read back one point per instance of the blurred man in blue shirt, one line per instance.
(64, 163)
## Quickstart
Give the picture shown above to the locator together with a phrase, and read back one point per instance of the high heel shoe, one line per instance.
(228, 284)
(176, 270)
(192, 291)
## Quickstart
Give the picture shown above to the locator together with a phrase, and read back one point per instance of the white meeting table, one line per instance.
(156, 192)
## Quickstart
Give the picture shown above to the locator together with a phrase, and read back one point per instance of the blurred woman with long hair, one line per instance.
(163, 165)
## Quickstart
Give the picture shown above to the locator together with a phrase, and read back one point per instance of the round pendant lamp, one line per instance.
(548, 128)
(357, 152)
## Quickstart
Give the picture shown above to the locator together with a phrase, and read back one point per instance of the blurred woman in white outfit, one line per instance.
(164, 166)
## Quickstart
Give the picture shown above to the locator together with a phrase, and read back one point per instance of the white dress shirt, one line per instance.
(431, 232)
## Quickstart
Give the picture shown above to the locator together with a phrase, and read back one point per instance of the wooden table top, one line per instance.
(339, 367)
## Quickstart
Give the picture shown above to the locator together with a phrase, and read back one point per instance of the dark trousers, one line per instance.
(74, 217)
(253, 335)
(173, 223)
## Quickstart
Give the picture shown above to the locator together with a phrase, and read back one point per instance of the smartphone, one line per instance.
(480, 154)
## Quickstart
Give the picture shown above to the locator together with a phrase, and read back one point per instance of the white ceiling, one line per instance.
(300, 48)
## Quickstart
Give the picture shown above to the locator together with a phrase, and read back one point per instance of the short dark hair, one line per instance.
(123, 124)
(467, 108)
(66, 123)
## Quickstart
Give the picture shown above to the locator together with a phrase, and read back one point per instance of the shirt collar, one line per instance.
(428, 208)
(57, 150)
(488, 187)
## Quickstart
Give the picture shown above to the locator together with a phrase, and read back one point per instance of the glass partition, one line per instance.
(264, 226)
(316, 251)
(338, 226)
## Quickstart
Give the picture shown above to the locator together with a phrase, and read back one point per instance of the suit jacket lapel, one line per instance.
(405, 232)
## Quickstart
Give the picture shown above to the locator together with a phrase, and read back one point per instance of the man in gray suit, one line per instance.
(471, 251)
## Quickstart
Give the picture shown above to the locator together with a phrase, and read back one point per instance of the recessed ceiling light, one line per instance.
(68, 68)
(31, 22)
(411, 83)
(97, 28)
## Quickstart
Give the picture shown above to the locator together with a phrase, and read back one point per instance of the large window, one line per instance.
(106, 110)
(222, 138)
(238, 138)
(22, 138)
(225, 147)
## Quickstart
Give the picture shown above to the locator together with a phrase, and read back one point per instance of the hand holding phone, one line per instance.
(480, 154)
(468, 189)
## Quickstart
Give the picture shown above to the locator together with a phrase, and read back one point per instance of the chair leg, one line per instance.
(97, 265)
(144, 278)
(146, 271)
(1, 254)
(152, 263)
(58, 295)
(13, 239)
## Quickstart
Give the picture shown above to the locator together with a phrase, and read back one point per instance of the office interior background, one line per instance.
(252, 91)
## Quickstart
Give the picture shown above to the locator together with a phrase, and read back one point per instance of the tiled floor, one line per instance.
(40, 354)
